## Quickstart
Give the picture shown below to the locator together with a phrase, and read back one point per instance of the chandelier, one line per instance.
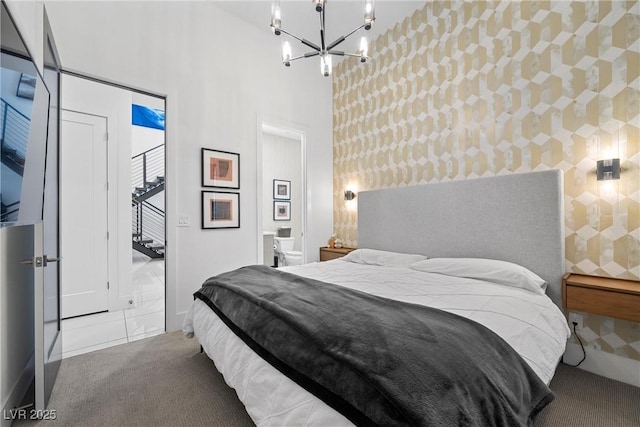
(324, 50)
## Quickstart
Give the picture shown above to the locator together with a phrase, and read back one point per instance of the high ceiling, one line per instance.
(341, 17)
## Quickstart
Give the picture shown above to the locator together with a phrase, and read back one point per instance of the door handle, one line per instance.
(35, 261)
(47, 260)
(40, 261)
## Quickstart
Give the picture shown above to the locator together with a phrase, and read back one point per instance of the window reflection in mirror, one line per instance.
(24, 112)
(15, 120)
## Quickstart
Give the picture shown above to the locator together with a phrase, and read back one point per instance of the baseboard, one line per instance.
(15, 397)
(605, 364)
(174, 323)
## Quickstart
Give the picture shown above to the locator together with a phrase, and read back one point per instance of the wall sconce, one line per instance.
(349, 195)
(608, 169)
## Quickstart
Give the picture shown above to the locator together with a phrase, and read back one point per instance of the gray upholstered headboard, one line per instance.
(517, 218)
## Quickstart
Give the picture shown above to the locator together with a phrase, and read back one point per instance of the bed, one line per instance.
(486, 253)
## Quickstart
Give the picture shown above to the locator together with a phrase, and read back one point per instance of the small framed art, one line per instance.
(281, 189)
(281, 211)
(220, 210)
(220, 169)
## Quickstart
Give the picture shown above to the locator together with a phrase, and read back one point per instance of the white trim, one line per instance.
(179, 319)
(605, 364)
(259, 207)
(173, 319)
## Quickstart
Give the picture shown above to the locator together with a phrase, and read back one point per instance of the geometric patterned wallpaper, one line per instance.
(471, 89)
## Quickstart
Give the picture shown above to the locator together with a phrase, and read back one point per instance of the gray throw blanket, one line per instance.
(376, 360)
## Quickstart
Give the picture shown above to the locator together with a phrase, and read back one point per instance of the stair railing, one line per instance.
(153, 222)
(149, 164)
(136, 220)
(14, 129)
(147, 222)
(10, 213)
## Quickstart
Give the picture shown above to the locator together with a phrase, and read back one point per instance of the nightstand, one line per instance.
(609, 297)
(332, 253)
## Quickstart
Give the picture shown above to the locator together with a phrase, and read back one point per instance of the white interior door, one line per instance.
(84, 214)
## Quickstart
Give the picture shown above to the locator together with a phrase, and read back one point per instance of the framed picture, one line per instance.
(281, 189)
(220, 210)
(281, 211)
(26, 86)
(220, 169)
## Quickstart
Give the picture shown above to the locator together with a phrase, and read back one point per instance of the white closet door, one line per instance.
(84, 214)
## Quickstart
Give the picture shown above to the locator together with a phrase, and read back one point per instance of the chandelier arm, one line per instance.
(303, 41)
(310, 44)
(333, 52)
(336, 43)
(343, 38)
(322, 41)
(306, 55)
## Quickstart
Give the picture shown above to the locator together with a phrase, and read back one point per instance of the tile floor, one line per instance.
(97, 331)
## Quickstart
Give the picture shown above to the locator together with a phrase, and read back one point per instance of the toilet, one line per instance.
(283, 247)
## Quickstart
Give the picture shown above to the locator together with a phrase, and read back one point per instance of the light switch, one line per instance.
(183, 220)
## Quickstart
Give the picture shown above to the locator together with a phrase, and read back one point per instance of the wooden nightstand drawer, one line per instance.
(600, 295)
(327, 254)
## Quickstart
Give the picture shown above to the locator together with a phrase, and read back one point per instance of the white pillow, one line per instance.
(494, 271)
(384, 258)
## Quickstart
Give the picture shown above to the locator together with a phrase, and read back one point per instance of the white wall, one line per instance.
(144, 138)
(218, 74)
(29, 20)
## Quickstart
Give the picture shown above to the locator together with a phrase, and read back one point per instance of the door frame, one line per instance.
(280, 127)
(118, 301)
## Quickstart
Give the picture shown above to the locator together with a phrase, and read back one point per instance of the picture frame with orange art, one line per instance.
(281, 210)
(220, 210)
(220, 169)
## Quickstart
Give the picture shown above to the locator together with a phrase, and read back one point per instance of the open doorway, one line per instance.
(147, 316)
(282, 220)
(112, 214)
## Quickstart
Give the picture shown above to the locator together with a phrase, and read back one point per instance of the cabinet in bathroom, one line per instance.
(267, 249)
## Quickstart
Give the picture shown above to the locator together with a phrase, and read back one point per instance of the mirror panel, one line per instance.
(24, 114)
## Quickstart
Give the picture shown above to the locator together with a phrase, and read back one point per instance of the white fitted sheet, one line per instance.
(531, 323)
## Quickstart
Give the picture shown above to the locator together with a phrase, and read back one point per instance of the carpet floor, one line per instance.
(166, 381)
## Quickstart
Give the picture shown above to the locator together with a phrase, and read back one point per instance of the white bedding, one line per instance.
(531, 323)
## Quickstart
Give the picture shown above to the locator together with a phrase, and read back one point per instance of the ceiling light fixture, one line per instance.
(324, 50)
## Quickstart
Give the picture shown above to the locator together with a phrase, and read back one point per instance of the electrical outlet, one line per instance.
(575, 317)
